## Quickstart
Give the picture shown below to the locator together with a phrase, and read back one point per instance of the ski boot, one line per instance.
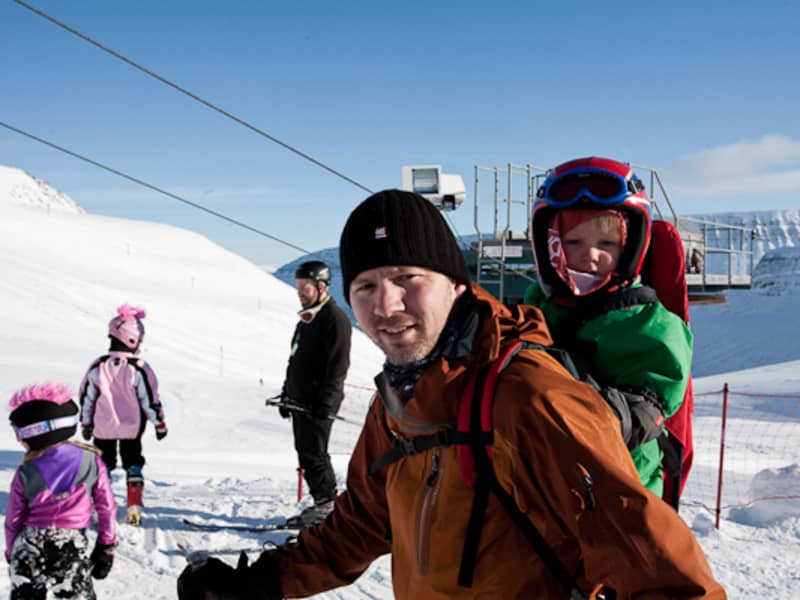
(312, 515)
(134, 501)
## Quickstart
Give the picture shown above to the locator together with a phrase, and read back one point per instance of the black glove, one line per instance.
(261, 581)
(87, 431)
(647, 416)
(282, 399)
(619, 404)
(638, 410)
(320, 413)
(101, 558)
(161, 431)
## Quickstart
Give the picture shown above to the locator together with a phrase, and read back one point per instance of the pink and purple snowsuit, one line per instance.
(49, 509)
(118, 395)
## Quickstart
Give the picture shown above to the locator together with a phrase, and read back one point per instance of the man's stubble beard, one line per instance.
(401, 356)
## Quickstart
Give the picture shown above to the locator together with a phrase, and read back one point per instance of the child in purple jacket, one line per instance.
(118, 395)
(51, 499)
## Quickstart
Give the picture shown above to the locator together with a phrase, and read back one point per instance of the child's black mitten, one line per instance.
(102, 558)
(618, 403)
(647, 416)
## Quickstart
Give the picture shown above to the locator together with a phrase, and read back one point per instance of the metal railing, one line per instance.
(506, 244)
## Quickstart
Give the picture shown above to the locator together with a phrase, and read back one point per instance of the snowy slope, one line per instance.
(218, 330)
(753, 328)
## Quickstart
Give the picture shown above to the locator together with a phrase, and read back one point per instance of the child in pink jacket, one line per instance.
(51, 498)
(118, 395)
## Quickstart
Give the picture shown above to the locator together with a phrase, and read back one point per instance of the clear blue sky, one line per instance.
(706, 92)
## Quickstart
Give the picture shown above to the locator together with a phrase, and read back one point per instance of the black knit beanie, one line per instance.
(37, 411)
(394, 228)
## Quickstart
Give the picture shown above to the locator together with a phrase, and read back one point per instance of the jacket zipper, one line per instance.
(589, 500)
(426, 510)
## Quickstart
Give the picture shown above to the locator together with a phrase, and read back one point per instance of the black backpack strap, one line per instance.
(538, 542)
(483, 468)
(486, 482)
(408, 447)
(672, 450)
(560, 354)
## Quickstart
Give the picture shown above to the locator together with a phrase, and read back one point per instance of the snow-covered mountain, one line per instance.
(18, 187)
(774, 228)
(778, 270)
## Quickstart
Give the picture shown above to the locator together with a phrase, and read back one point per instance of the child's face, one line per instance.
(590, 249)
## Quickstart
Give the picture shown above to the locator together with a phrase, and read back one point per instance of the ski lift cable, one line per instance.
(192, 95)
(458, 235)
(138, 181)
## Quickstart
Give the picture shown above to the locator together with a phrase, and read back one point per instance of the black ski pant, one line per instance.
(311, 437)
(130, 451)
(50, 559)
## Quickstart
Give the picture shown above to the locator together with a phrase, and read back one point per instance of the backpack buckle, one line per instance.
(444, 437)
(407, 447)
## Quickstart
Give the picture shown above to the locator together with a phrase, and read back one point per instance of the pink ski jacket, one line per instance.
(58, 489)
(116, 390)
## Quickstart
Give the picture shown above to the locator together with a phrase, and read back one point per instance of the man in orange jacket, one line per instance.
(567, 515)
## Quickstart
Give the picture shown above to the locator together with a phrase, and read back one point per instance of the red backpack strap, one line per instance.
(476, 414)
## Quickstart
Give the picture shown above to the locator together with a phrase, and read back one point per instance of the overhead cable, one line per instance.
(191, 95)
(136, 180)
(459, 239)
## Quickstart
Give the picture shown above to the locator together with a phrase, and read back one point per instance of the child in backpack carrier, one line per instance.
(51, 498)
(590, 230)
(118, 395)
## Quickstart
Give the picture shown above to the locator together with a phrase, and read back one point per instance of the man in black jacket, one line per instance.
(318, 363)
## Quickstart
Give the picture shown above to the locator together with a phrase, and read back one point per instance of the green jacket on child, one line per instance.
(643, 345)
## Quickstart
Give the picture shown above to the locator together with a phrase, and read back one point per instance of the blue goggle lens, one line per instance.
(598, 186)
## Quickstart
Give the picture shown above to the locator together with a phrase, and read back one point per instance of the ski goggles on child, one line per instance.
(42, 427)
(601, 186)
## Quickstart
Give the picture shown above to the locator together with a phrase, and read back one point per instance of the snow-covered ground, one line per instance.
(218, 330)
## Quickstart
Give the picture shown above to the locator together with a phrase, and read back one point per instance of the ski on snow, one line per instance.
(265, 527)
(198, 556)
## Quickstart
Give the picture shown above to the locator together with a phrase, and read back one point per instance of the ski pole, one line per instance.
(302, 409)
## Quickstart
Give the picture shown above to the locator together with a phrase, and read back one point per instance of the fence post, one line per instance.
(300, 473)
(721, 452)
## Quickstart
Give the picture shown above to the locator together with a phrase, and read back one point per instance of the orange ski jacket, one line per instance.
(557, 450)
